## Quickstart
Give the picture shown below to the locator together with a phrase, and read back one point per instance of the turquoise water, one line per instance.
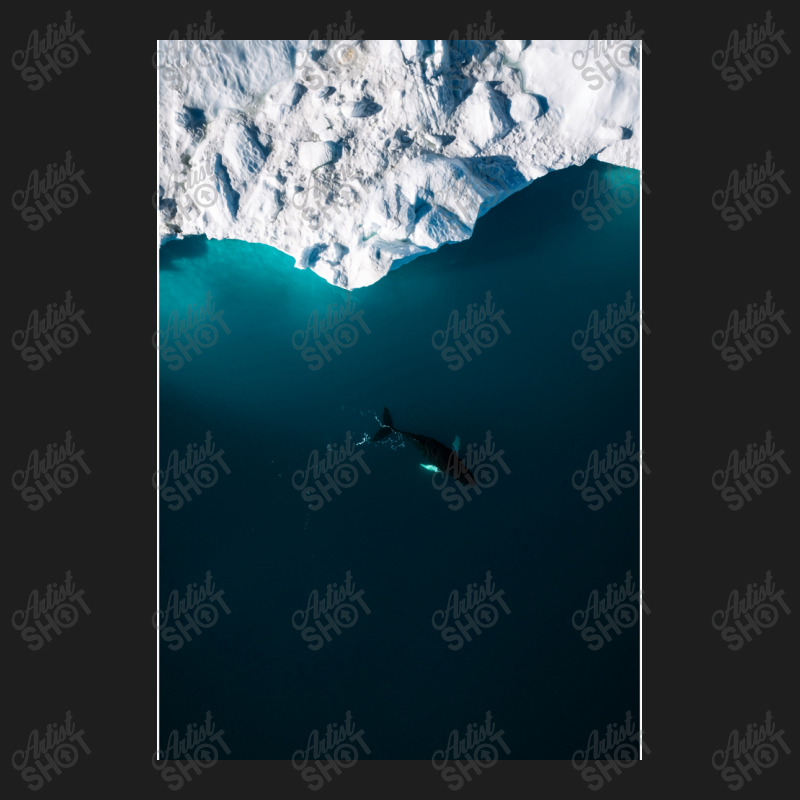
(404, 543)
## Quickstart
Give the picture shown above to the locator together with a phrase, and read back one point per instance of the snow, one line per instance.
(356, 157)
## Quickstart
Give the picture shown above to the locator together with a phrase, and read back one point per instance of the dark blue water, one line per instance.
(267, 411)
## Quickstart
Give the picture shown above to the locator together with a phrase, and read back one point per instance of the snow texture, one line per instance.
(355, 157)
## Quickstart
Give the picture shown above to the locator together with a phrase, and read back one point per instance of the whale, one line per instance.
(439, 456)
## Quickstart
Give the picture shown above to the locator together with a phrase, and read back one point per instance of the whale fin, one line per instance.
(387, 427)
(456, 443)
(382, 433)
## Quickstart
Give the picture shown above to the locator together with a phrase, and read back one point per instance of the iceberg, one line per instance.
(356, 157)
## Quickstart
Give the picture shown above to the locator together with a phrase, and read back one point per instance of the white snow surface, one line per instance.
(356, 157)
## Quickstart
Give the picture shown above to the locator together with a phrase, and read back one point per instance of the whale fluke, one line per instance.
(387, 427)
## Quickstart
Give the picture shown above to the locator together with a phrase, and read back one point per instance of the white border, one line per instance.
(641, 419)
(641, 425)
(158, 427)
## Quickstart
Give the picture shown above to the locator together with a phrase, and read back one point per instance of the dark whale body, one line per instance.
(444, 458)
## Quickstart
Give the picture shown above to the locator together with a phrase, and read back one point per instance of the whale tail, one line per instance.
(387, 427)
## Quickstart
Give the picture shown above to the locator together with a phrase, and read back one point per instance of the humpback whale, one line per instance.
(442, 457)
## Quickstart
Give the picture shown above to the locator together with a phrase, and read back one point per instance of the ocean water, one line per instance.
(268, 544)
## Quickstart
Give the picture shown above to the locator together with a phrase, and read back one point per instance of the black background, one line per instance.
(696, 411)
